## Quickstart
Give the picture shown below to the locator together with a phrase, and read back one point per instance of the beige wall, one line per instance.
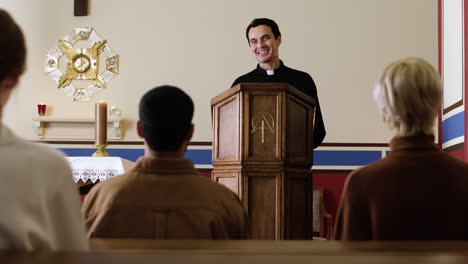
(200, 46)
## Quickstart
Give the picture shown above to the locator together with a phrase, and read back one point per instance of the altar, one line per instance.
(88, 170)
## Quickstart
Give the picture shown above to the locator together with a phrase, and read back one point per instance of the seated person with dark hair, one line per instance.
(40, 207)
(163, 196)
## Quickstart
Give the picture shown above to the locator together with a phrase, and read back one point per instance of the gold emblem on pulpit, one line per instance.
(263, 121)
(82, 63)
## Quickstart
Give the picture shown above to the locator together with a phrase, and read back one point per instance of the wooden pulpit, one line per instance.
(262, 150)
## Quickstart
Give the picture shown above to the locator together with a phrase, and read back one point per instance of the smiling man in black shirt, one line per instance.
(264, 40)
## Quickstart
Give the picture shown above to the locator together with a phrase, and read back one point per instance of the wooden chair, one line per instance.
(322, 222)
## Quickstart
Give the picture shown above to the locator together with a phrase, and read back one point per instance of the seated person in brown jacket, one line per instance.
(163, 196)
(417, 192)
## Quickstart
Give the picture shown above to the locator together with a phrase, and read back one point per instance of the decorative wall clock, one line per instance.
(81, 64)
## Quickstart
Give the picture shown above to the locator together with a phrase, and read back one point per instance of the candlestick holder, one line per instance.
(101, 152)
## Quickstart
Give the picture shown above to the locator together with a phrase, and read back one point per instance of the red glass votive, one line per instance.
(41, 109)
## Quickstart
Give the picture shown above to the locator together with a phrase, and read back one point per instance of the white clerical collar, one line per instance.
(270, 72)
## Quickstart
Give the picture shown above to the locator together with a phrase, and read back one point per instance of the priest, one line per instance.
(264, 38)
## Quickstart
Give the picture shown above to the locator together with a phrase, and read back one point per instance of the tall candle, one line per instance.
(100, 123)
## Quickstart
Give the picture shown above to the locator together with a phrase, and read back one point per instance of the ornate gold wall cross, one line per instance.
(82, 63)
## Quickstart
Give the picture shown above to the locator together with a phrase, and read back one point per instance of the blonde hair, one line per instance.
(409, 94)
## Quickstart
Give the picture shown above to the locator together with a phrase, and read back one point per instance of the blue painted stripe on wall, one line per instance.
(203, 156)
(198, 156)
(453, 127)
(345, 157)
(76, 152)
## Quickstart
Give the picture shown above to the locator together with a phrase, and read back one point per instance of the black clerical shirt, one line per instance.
(298, 79)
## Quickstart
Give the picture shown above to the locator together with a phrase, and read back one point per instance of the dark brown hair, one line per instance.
(263, 21)
(165, 116)
(12, 46)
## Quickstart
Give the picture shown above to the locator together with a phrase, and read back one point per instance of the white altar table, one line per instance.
(97, 168)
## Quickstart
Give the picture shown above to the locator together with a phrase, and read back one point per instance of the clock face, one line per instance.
(81, 63)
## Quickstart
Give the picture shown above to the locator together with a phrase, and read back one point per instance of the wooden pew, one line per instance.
(247, 252)
(280, 247)
(154, 258)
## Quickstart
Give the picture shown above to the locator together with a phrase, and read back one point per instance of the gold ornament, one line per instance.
(262, 121)
(82, 63)
(101, 151)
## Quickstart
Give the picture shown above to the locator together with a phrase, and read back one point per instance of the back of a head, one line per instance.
(409, 94)
(166, 116)
(12, 47)
(263, 21)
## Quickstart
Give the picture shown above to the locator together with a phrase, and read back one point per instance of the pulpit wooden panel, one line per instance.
(262, 133)
(230, 180)
(262, 150)
(299, 114)
(262, 197)
(297, 201)
(229, 130)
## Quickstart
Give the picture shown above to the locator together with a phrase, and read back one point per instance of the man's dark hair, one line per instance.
(263, 21)
(165, 116)
(12, 46)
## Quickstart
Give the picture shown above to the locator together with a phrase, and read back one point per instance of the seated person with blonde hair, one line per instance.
(417, 192)
(40, 207)
(163, 196)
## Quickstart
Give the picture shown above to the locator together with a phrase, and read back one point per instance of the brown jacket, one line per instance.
(417, 192)
(163, 199)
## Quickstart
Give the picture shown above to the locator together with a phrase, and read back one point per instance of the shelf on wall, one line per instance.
(48, 127)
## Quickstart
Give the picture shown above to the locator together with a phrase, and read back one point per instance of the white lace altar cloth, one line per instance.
(97, 168)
